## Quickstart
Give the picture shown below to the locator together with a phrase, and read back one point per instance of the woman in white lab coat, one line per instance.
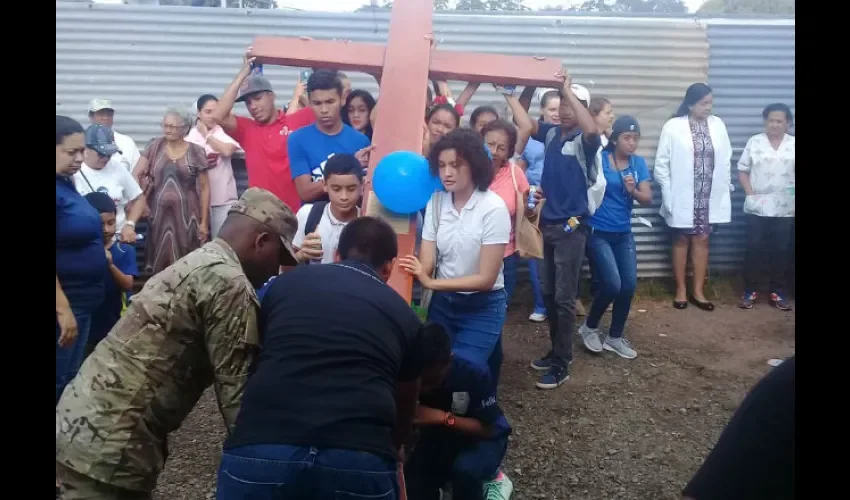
(692, 167)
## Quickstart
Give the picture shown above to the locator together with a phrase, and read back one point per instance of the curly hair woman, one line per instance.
(466, 230)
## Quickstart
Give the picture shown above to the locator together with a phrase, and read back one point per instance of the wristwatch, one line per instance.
(449, 419)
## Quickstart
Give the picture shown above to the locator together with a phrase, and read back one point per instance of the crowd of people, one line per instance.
(326, 378)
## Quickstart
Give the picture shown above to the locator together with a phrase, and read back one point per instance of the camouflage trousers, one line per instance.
(75, 486)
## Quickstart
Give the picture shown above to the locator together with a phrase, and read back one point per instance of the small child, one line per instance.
(121, 259)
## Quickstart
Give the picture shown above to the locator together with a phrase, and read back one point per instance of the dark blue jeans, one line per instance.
(511, 263)
(70, 357)
(442, 456)
(283, 472)
(473, 321)
(615, 266)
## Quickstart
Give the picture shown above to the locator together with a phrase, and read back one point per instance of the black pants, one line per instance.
(443, 455)
(768, 251)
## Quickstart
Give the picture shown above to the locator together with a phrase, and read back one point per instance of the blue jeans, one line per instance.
(442, 456)
(536, 286)
(70, 357)
(279, 471)
(615, 266)
(511, 262)
(473, 321)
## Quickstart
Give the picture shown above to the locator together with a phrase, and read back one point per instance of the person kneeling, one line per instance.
(463, 433)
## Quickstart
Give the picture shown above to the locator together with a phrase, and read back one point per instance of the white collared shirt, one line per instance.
(484, 220)
(329, 229)
(129, 155)
(772, 176)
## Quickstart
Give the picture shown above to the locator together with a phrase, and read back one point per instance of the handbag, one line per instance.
(529, 240)
(436, 208)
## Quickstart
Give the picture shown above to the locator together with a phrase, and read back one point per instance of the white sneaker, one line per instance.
(621, 347)
(537, 317)
(499, 489)
(591, 337)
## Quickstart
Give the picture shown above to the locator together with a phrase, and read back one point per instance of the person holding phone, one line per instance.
(611, 243)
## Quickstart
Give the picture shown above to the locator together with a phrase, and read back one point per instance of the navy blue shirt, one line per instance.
(467, 391)
(563, 181)
(614, 215)
(80, 257)
(109, 312)
(336, 340)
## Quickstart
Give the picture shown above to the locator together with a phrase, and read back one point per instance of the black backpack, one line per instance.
(316, 212)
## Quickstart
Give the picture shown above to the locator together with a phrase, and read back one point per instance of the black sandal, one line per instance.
(680, 304)
(705, 306)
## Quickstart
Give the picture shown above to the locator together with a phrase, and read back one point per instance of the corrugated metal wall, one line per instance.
(751, 65)
(157, 56)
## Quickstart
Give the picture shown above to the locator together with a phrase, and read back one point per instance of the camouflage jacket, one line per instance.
(192, 325)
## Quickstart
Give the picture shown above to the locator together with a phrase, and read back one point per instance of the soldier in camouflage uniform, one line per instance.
(194, 324)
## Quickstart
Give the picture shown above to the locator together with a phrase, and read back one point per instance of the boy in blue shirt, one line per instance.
(123, 269)
(463, 432)
(573, 186)
(311, 146)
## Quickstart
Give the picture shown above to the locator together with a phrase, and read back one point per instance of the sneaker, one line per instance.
(500, 488)
(590, 337)
(543, 364)
(747, 300)
(553, 378)
(537, 317)
(620, 347)
(779, 302)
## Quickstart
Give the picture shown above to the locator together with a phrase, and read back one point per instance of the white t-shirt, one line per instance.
(772, 176)
(329, 229)
(114, 180)
(484, 220)
(129, 155)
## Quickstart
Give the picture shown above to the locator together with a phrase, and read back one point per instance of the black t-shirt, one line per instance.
(754, 457)
(335, 341)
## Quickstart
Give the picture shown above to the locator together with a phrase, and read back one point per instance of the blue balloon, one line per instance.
(403, 182)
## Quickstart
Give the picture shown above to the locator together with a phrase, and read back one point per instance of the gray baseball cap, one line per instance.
(96, 105)
(101, 139)
(252, 85)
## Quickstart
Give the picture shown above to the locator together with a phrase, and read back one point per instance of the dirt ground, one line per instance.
(618, 429)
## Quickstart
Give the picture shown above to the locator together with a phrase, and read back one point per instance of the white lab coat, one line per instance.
(674, 173)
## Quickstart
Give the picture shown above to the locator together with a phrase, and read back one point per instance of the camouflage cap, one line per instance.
(266, 208)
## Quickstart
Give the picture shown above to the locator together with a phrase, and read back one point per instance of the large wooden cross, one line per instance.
(406, 64)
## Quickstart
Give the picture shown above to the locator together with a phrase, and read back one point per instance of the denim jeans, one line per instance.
(615, 266)
(473, 321)
(442, 456)
(511, 262)
(283, 472)
(563, 253)
(70, 357)
(536, 285)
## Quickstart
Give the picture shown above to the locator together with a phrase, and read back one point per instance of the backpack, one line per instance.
(315, 216)
(595, 183)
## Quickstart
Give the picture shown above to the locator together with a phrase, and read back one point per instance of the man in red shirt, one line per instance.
(264, 135)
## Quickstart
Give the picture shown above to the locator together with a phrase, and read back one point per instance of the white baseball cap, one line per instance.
(581, 92)
(96, 105)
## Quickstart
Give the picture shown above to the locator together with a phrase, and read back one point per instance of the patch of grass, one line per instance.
(718, 287)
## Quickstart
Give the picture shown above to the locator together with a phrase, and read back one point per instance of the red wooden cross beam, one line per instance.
(405, 65)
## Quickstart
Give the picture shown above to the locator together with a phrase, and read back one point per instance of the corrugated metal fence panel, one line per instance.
(751, 65)
(159, 56)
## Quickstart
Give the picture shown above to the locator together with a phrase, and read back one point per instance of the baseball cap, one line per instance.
(267, 209)
(101, 139)
(622, 125)
(96, 105)
(252, 85)
(581, 92)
